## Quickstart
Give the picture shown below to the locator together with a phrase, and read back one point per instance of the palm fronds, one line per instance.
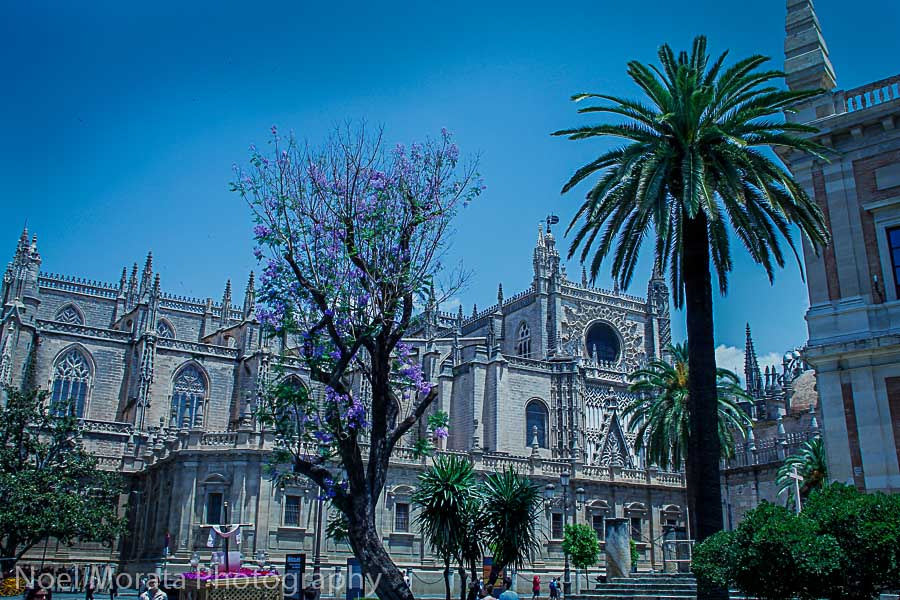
(660, 415)
(810, 463)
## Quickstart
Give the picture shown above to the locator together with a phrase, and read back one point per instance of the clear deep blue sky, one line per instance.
(121, 120)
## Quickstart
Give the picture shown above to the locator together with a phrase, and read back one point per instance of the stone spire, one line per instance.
(806, 62)
(752, 376)
(226, 305)
(132, 287)
(584, 279)
(147, 276)
(250, 298)
(123, 282)
(20, 280)
(499, 295)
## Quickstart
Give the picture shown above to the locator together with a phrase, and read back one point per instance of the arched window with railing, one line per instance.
(537, 418)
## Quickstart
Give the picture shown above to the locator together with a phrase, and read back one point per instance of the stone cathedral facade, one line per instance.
(165, 388)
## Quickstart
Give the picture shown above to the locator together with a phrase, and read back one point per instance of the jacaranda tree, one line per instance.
(693, 175)
(351, 235)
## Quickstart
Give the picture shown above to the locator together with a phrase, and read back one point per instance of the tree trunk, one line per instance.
(704, 452)
(8, 555)
(447, 579)
(369, 550)
(463, 579)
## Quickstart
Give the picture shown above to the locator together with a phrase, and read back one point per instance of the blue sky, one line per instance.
(121, 120)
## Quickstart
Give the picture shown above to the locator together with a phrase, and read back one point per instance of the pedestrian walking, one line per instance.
(113, 588)
(508, 592)
(89, 588)
(554, 589)
(536, 587)
(153, 592)
(487, 593)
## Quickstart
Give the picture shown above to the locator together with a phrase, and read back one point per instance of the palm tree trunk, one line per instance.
(462, 582)
(704, 452)
(447, 578)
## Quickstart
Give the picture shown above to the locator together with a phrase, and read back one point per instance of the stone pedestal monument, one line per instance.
(618, 548)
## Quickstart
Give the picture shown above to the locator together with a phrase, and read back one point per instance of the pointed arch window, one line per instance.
(71, 382)
(188, 396)
(536, 419)
(164, 330)
(523, 341)
(70, 314)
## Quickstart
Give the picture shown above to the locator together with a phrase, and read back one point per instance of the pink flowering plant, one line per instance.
(351, 238)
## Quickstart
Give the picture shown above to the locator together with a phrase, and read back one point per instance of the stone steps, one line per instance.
(663, 586)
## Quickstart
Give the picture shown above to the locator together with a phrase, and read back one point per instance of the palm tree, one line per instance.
(693, 170)
(447, 498)
(510, 510)
(810, 463)
(661, 415)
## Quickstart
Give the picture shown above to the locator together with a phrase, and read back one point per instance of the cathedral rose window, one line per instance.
(602, 343)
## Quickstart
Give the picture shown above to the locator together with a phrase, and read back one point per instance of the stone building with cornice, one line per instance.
(854, 284)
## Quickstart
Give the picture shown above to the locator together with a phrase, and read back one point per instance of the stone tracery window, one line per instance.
(188, 396)
(70, 314)
(536, 416)
(71, 382)
(523, 341)
(164, 330)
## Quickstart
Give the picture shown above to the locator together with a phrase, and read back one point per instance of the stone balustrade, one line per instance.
(871, 94)
(144, 449)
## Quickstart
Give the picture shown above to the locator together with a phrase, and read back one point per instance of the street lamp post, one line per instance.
(564, 484)
(549, 492)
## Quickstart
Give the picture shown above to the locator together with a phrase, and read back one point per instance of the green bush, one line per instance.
(635, 555)
(844, 545)
(773, 555)
(714, 559)
(867, 528)
(580, 542)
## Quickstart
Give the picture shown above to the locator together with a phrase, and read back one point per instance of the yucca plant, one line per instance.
(693, 174)
(661, 415)
(810, 463)
(448, 500)
(510, 511)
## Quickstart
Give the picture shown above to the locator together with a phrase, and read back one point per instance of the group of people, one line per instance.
(536, 587)
(486, 592)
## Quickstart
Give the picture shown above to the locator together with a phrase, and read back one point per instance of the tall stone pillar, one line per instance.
(618, 548)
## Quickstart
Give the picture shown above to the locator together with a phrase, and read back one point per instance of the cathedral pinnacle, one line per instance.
(226, 305)
(147, 276)
(250, 297)
(499, 295)
(752, 375)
